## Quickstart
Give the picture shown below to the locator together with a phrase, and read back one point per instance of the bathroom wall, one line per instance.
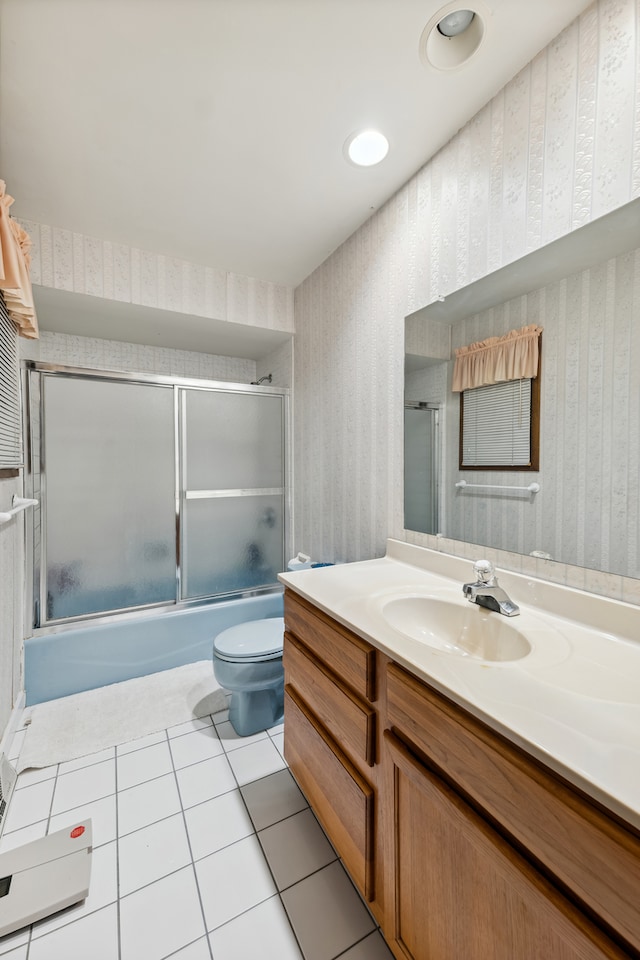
(278, 363)
(69, 261)
(430, 384)
(97, 354)
(557, 147)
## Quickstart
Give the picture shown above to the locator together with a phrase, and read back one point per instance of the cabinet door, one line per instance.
(460, 891)
(589, 853)
(340, 797)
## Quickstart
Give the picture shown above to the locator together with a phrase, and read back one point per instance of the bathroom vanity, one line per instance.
(485, 808)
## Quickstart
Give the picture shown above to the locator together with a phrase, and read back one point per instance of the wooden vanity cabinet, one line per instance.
(332, 737)
(493, 857)
(587, 855)
(460, 890)
(464, 846)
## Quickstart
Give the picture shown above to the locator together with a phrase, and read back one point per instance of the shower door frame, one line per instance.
(33, 372)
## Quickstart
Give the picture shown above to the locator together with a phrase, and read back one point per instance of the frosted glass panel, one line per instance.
(231, 544)
(110, 495)
(420, 476)
(234, 441)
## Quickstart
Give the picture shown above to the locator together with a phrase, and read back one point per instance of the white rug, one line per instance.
(84, 723)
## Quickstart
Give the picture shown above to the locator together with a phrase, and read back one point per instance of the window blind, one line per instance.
(10, 425)
(497, 425)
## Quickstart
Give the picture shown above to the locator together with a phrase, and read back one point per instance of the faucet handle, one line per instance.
(484, 571)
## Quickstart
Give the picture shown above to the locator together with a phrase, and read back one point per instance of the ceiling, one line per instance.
(213, 130)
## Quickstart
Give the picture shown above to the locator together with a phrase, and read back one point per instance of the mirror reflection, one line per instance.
(422, 466)
(584, 291)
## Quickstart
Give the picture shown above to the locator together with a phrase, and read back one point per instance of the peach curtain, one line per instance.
(15, 284)
(511, 357)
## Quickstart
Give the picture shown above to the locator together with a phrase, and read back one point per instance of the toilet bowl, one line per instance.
(247, 660)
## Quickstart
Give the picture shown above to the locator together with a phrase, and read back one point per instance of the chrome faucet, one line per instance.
(486, 592)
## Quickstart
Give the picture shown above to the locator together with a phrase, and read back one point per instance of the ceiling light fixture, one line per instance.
(367, 148)
(455, 23)
(454, 35)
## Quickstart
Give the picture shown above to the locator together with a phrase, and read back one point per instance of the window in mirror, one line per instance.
(500, 426)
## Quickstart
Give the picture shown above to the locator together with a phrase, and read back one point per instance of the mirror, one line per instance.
(584, 291)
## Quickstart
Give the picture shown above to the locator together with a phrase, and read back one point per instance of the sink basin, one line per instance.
(465, 630)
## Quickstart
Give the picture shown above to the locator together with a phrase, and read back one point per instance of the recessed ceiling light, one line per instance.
(453, 35)
(455, 23)
(367, 148)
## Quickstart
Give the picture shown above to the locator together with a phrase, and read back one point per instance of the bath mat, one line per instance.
(84, 723)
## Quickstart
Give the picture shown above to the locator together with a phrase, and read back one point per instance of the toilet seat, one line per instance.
(253, 641)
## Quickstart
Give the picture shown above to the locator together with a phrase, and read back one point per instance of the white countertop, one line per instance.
(573, 702)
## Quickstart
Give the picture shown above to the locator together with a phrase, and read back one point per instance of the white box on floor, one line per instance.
(44, 876)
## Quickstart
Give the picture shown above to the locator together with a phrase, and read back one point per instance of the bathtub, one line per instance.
(57, 664)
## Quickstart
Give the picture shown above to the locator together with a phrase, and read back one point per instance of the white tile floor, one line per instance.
(204, 849)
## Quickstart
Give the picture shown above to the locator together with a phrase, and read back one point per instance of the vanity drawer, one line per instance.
(345, 716)
(350, 657)
(593, 858)
(340, 797)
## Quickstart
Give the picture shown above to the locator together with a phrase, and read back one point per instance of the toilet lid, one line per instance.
(256, 639)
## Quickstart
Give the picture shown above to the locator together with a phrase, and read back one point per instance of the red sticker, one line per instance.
(76, 832)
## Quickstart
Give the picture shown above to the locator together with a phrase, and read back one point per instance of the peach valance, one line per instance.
(15, 284)
(513, 356)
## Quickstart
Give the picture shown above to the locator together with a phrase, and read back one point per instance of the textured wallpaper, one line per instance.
(97, 354)
(71, 261)
(558, 147)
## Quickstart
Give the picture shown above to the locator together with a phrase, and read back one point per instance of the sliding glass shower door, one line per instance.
(109, 510)
(152, 492)
(233, 491)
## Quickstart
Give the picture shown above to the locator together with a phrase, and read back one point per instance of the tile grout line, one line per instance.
(361, 940)
(31, 937)
(90, 913)
(117, 816)
(257, 836)
(193, 862)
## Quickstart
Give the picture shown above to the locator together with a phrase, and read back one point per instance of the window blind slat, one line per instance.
(10, 425)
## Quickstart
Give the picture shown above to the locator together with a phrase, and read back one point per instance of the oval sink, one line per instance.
(466, 630)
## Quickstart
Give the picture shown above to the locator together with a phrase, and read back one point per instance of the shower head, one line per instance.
(256, 383)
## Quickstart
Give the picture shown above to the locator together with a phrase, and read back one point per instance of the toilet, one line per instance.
(247, 660)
